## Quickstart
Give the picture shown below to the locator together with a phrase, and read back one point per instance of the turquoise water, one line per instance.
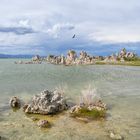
(118, 86)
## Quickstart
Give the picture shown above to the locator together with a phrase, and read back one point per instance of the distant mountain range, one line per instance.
(15, 56)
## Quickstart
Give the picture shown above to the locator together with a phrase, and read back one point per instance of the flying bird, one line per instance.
(73, 36)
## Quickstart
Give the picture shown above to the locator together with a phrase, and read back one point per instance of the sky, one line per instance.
(47, 26)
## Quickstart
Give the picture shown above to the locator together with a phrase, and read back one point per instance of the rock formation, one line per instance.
(43, 124)
(92, 111)
(83, 58)
(124, 54)
(36, 58)
(46, 102)
(112, 58)
(114, 136)
(71, 57)
(99, 105)
(15, 102)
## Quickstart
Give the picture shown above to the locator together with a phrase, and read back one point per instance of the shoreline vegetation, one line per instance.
(90, 106)
(72, 58)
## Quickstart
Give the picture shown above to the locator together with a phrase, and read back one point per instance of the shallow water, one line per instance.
(118, 86)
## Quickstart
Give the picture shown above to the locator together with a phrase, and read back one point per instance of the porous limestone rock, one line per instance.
(89, 112)
(46, 102)
(15, 102)
(98, 105)
(43, 124)
(114, 136)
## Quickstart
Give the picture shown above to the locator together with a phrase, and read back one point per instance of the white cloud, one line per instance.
(115, 34)
(57, 29)
(24, 23)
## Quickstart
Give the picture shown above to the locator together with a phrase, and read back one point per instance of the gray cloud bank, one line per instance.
(17, 30)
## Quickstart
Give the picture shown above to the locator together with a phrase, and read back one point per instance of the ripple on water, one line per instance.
(117, 85)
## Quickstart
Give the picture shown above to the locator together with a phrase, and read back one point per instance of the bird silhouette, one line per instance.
(73, 36)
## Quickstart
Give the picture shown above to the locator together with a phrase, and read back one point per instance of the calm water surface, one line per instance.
(119, 87)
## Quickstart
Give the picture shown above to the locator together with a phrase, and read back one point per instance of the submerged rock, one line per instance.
(43, 124)
(85, 120)
(34, 119)
(46, 102)
(15, 102)
(3, 138)
(114, 136)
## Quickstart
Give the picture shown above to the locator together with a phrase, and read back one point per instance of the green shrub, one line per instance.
(100, 63)
(132, 59)
(93, 114)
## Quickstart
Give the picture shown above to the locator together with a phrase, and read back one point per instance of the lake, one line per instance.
(118, 86)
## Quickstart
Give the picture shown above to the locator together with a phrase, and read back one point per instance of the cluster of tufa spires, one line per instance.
(72, 58)
(83, 58)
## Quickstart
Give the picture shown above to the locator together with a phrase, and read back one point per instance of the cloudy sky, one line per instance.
(47, 26)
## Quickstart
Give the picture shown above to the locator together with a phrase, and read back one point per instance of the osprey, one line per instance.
(73, 36)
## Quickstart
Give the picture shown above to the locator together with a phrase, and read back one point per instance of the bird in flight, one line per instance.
(73, 36)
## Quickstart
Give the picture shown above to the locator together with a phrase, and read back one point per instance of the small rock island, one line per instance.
(91, 111)
(47, 102)
(90, 107)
